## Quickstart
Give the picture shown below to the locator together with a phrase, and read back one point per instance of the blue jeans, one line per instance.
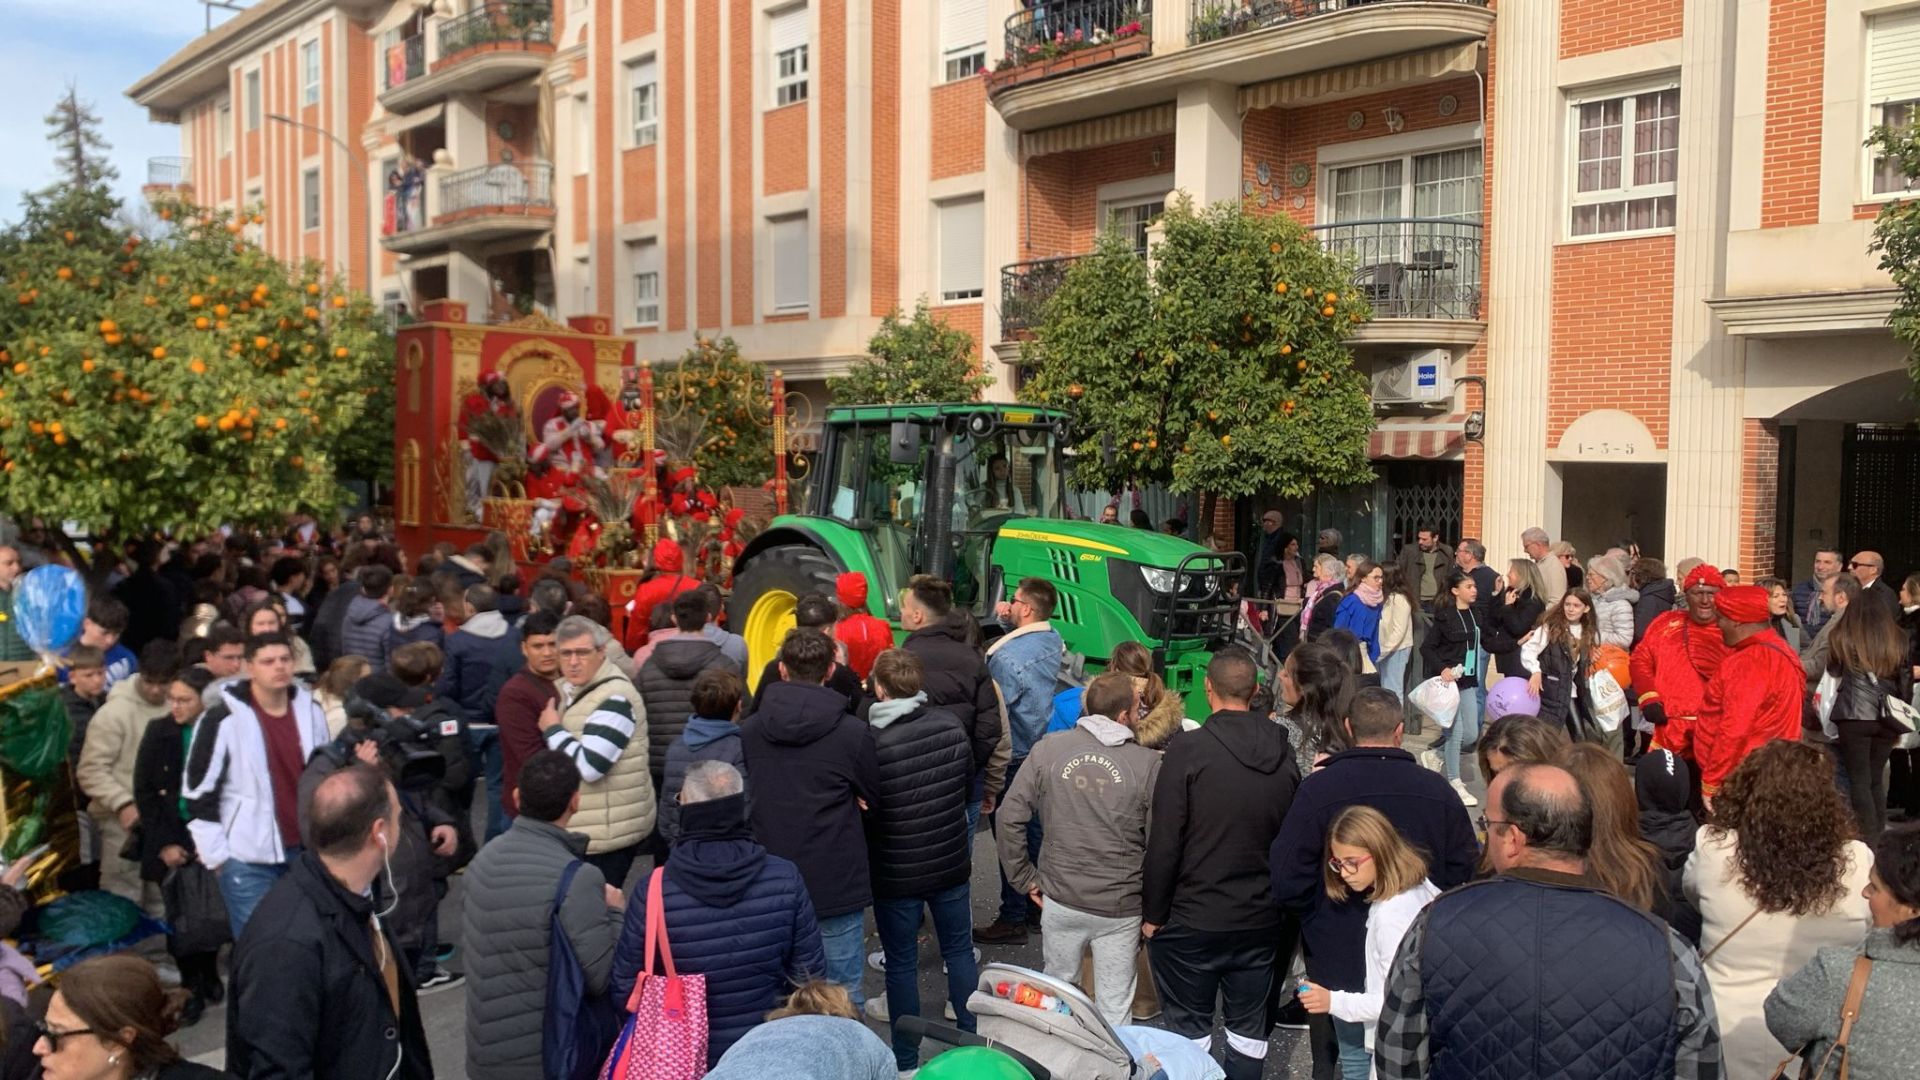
(243, 885)
(1013, 902)
(1393, 672)
(1464, 736)
(898, 921)
(1355, 1062)
(842, 937)
(485, 748)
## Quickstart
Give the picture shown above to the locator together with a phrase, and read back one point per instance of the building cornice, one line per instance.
(1782, 315)
(201, 67)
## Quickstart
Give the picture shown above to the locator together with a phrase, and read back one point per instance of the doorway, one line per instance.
(1604, 504)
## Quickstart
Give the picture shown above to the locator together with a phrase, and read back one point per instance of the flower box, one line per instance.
(1093, 56)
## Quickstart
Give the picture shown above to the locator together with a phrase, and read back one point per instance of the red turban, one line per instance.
(1704, 574)
(491, 377)
(852, 590)
(1742, 603)
(680, 476)
(667, 556)
(568, 399)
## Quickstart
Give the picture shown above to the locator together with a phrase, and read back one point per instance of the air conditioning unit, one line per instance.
(1420, 378)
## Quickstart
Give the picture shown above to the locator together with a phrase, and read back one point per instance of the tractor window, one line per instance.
(1011, 472)
(882, 499)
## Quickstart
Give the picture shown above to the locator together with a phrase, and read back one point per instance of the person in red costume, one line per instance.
(1675, 660)
(494, 397)
(569, 441)
(667, 581)
(553, 491)
(1754, 697)
(865, 636)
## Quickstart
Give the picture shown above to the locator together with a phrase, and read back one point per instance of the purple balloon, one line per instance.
(1511, 696)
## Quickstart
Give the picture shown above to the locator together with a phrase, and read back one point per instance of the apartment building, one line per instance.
(1616, 250)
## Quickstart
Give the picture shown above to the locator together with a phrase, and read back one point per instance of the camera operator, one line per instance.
(418, 667)
(384, 730)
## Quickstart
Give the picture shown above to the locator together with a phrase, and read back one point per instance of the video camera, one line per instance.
(406, 743)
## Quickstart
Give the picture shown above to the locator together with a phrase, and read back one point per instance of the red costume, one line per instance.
(865, 636)
(479, 403)
(1754, 698)
(669, 559)
(568, 444)
(1672, 665)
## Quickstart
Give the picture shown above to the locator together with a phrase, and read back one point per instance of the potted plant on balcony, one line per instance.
(1071, 50)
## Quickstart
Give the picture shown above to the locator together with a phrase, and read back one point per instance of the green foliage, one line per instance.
(178, 380)
(714, 410)
(1896, 239)
(1222, 369)
(912, 361)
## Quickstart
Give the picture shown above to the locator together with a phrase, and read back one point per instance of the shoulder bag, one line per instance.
(665, 1036)
(1849, 1012)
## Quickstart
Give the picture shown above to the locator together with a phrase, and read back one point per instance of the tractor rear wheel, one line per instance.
(761, 608)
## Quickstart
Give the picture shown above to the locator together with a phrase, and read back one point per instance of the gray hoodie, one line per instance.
(1093, 786)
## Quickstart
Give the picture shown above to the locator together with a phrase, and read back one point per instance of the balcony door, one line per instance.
(1412, 225)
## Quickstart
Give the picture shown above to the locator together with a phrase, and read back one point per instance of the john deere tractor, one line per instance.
(975, 494)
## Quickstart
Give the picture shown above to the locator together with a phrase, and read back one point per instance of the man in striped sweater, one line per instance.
(602, 726)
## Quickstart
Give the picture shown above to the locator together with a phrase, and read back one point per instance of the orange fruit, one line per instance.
(260, 341)
(1328, 310)
(226, 423)
(20, 368)
(310, 312)
(1280, 286)
(60, 439)
(65, 273)
(86, 366)
(296, 461)
(313, 288)
(339, 301)
(341, 352)
(202, 421)
(159, 352)
(67, 236)
(107, 326)
(222, 310)
(279, 423)
(1274, 248)
(113, 339)
(196, 300)
(56, 427)
(1302, 365)
(1286, 350)
(197, 366)
(37, 428)
(1226, 440)
(201, 323)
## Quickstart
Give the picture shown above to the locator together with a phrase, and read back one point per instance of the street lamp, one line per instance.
(366, 224)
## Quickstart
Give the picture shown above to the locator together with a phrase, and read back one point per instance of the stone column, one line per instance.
(1206, 142)
(1005, 188)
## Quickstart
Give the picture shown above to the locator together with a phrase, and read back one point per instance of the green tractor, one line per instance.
(976, 494)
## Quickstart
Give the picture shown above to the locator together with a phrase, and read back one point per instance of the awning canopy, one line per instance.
(1352, 79)
(409, 121)
(1101, 131)
(1431, 438)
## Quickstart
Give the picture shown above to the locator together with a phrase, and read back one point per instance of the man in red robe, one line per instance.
(1675, 660)
(493, 396)
(569, 440)
(1754, 697)
(669, 561)
(865, 636)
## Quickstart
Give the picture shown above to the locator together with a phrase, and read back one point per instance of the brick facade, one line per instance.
(1790, 190)
(1595, 26)
(1612, 332)
(1759, 498)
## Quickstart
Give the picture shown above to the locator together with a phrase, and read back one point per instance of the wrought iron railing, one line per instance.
(1051, 28)
(1412, 268)
(168, 171)
(1025, 288)
(513, 21)
(507, 186)
(405, 60)
(1211, 20)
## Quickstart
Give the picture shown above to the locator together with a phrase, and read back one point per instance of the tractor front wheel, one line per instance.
(761, 608)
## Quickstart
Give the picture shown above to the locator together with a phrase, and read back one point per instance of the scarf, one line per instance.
(1314, 592)
(1371, 595)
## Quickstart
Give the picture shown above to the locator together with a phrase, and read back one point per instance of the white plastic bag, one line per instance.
(1608, 700)
(1825, 693)
(1438, 700)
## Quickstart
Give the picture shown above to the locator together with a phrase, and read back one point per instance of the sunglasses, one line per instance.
(1858, 565)
(53, 1035)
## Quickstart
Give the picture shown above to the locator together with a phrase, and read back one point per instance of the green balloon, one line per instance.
(973, 1063)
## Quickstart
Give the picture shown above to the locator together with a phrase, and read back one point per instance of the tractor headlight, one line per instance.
(1158, 579)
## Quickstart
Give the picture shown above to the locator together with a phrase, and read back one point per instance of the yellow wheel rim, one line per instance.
(767, 626)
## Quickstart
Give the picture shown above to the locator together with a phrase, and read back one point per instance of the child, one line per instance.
(105, 621)
(712, 734)
(1557, 656)
(1366, 855)
(85, 692)
(1663, 785)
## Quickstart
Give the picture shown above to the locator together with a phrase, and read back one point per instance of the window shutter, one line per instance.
(963, 227)
(644, 73)
(962, 23)
(789, 30)
(1894, 57)
(792, 270)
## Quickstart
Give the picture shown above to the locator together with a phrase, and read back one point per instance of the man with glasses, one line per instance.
(1025, 664)
(599, 719)
(1586, 983)
(1869, 567)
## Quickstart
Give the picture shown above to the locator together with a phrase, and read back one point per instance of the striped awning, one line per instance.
(1334, 83)
(1429, 437)
(1100, 131)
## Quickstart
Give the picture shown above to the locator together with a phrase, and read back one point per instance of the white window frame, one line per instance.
(1876, 116)
(790, 70)
(643, 281)
(978, 288)
(790, 306)
(250, 89)
(255, 195)
(643, 101)
(582, 134)
(1628, 192)
(959, 60)
(1896, 87)
(310, 72)
(223, 129)
(311, 200)
(1406, 158)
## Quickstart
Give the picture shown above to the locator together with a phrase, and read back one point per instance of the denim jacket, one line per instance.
(1026, 664)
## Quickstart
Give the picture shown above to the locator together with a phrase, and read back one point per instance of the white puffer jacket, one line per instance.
(1613, 610)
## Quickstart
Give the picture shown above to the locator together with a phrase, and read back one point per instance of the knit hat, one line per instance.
(851, 589)
(1704, 574)
(1742, 603)
(1663, 781)
(667, 556)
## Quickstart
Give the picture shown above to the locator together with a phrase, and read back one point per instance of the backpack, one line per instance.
(578, 1028)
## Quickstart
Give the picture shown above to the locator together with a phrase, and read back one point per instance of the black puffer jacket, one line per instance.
(1564, 699)
(956, 677)
(812, 762)
(666, 682)
(917, 832)
(1656, 597)
(1511, 623)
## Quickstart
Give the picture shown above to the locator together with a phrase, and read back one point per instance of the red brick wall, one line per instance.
(525, 120)
(1612, 332)
(1060, 199)
(1790, 166)
(1591, 26)
(784, 149)
(673, 145)
(967, 317)
(959, 126)
(582, 210)
(884, 247)
(639, 183)
(636, 18)
(1759, 497)
(604, 96)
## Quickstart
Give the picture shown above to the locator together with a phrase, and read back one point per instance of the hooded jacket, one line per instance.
(329, 624)
(917, 830)
(705, 739)
(1662, 784)
(666, 583)
(956, 678)
(408, 630)
(810, 761)
(481, 656)
(1222, 793)
(229, 786)
(666, 686)
(1655, 599)
(364, 631)
(1092, 786)
(735, 914)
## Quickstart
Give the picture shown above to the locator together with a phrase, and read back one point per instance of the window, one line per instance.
(223, 130)
(1131, 217)
(792, 263)
(963, 38)
(253, 100)
(787, 40)
(310, 199)
(1626, 156)
(582, 135)
(1893, 87)
(310, 73)
(1445, 184)
(962, 240)
(643, 100)
(643, 262)
(1396, 219)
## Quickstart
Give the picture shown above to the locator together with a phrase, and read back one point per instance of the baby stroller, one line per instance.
(1076, 1044)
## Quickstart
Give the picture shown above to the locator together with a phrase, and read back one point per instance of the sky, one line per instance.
(101, 47)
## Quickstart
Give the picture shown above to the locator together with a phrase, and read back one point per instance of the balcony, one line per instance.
(168, 176)
(405, 61)
(490, 202)
(1262, 43)
(495, 44)
(1051, 39)
(1025, 289)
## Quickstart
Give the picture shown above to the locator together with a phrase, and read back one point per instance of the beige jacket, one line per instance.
(113, 742)
(604, 729)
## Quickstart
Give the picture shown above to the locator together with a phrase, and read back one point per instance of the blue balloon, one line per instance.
(48, 604)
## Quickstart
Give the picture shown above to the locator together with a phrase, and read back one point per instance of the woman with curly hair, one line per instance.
(1776, 875)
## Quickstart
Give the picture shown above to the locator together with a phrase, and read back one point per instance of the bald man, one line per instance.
(1871, 568)
(1593, 985)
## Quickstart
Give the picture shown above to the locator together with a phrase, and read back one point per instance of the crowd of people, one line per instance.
(288, 748)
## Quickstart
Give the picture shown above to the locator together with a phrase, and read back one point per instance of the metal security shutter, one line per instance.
(963, 226)
(1893, 50)
(788, 30)
(963, 23)
(792, 267)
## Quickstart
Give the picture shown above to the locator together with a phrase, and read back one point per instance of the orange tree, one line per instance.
(715, 411)
(183, 379)
(1220, 367)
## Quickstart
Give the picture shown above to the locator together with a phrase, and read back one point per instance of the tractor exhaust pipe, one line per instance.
(939, 510)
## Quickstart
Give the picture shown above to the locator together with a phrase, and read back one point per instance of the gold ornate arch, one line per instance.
(531, 368)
